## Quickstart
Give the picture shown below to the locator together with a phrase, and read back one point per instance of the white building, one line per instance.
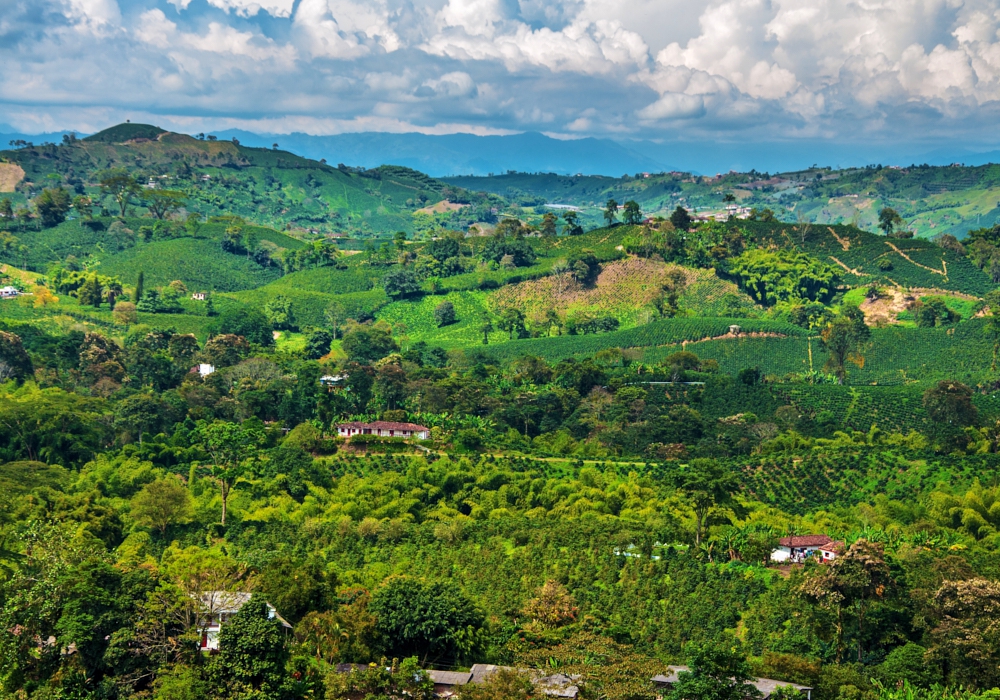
(384, 428)
(8, 292)
(218, 607)
(797, 548)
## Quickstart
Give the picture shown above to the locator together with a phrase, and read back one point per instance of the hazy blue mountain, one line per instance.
(463, 154)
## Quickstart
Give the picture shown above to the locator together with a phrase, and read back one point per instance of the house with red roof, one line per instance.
(795, 549)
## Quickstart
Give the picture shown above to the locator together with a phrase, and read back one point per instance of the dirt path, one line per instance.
(859, 273)
(844, 243)
(908, 258)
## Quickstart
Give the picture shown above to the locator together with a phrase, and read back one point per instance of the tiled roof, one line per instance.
(449, 677)
(805, 541)
(384, 425)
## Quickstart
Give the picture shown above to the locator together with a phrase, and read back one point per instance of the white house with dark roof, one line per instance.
(766, 686)
(218, 607)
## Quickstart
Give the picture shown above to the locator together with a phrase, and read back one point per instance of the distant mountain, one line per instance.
(463, 154)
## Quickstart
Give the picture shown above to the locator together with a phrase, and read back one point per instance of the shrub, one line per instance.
(444, 314)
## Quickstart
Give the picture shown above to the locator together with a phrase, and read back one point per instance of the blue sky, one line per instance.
(911, 74)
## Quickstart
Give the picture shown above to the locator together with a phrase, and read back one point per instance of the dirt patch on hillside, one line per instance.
(441, 207)
(10, 175)
(621, 286)
(886, 308)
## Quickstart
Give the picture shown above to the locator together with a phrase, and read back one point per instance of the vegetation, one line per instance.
(622, 424)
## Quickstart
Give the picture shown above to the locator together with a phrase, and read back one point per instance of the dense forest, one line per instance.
(601, 441)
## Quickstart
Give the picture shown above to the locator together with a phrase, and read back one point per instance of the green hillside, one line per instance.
(267, 186)
(912, 262)
(197, 262)
(932, 200)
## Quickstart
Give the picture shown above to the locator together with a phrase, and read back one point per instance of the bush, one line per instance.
(400, 284)
(249, 323)
(444, 314)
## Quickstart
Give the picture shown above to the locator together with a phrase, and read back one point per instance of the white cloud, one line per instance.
(154, 28)
(455, 84)
(578, 67)
(246, 8)
(341, 30)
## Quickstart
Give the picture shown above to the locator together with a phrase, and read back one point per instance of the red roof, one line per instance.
(385, 425)
(796, 541)
(835, 547)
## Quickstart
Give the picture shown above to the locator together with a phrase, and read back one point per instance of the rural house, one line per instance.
(217, 607)
(8, 292)
(766, 686)
(797, 548)
(384, 428)
(199, 296)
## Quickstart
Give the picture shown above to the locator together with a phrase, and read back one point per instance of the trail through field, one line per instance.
(851, 270)
(929, 269)
(844, 242)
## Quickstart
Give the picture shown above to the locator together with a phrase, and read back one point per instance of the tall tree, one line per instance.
(610, 211)
(161, 503)
(705, 484)
(715, 673)
(680, 219)
(231, 446)
(252, 656)
(572, 219)
(161, 203)
(851, 584)
(548, 227)
(632, 212)
(888, 220)
(52, 205)
(122, 187)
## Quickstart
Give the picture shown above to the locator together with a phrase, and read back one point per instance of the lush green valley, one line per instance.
(485, 435)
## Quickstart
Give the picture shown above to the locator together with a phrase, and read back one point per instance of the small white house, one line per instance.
(203, 370)
(198, 296)
(217, 608)
(384, 428)
(797, 548)
(8, 292)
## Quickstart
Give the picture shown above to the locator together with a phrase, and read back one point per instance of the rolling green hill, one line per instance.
(197, 262)
(933, 200)
(267, 186)
(913, 262)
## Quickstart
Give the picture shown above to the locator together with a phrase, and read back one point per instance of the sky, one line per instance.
(906, 74)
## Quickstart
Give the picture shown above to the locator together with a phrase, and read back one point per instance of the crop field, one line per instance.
(890, 408)
(849, 477)
(915, 262)
(201, 264)
(415, 319)
(328, 280)
(667, 332)
(309, 307)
